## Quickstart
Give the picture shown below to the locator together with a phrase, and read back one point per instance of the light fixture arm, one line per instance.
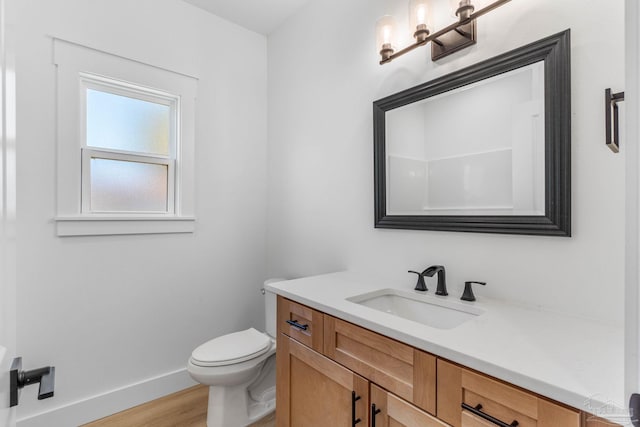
(453, 27)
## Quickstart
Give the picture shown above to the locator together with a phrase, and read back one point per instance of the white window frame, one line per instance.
(80, 67)
(102, 84)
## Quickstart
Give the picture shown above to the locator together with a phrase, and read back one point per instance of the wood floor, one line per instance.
(186, 408)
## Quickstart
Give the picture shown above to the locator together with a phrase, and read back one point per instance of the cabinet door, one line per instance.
(314, 391)
(388, 410)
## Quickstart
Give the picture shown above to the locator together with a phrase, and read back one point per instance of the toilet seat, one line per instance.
(232, 348)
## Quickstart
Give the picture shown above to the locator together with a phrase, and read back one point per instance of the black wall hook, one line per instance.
(611, 122)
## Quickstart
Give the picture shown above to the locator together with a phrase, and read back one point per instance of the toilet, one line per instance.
(240, 370)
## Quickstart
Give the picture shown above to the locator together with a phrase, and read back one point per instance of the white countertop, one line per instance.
(572, 360)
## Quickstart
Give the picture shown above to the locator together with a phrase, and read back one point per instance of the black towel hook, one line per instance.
(612, 125)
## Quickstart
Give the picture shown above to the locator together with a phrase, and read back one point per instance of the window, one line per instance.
(125, 145)
(129, 150)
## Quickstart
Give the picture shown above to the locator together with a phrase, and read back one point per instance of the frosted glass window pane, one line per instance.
(118, 185)
(124, 123)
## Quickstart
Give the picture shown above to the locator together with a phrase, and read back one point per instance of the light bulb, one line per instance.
(419, 19)
(386, 36)
(421, 14)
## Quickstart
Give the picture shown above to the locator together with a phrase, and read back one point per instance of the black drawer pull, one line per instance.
(354, 399)
(295, 324)
(374, 411)
(477, 411)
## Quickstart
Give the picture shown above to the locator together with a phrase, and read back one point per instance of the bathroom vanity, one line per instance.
(340, 359)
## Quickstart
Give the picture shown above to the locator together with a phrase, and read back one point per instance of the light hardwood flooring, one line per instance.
(186, 408)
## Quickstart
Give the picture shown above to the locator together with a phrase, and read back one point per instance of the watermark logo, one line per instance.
(606, 411)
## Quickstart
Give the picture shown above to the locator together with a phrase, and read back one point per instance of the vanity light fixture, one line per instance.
(446, 41)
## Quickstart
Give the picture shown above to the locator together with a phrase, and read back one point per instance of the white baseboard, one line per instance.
(105, 404)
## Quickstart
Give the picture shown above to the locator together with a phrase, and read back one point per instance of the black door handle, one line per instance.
(354, 399)
(19, 378)
(374, 411)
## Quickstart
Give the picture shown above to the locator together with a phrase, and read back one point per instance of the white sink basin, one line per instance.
(437, 312)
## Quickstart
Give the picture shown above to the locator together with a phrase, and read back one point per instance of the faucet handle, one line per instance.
(420, 285)
(467, 295)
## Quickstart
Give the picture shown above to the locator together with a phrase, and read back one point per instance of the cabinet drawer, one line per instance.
(399, 368)
(301, 323)
(501, 401)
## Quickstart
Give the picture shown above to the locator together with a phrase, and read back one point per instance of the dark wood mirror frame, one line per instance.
(555, 52)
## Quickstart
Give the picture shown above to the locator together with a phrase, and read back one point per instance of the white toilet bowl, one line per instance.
(239, 369)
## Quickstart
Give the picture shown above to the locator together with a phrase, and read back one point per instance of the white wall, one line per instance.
(321, 156)
(111, 312)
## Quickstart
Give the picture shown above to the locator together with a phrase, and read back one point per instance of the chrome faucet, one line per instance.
(442, 282)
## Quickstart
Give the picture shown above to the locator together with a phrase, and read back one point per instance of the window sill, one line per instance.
(118, 225)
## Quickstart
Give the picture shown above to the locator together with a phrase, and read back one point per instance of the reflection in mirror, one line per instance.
(435, 166)
(485, 149)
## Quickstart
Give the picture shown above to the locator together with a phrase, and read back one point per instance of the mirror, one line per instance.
(484, 149)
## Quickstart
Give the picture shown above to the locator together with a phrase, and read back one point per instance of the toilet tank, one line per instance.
(270, 308)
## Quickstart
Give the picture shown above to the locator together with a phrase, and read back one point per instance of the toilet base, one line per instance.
(232, 406)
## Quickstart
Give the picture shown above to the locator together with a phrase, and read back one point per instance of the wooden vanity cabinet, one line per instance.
(486, 398)
(331, 373)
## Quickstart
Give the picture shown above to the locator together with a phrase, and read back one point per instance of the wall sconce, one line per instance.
(446, 41)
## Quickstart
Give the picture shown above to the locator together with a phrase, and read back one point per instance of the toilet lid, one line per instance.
(232, 348)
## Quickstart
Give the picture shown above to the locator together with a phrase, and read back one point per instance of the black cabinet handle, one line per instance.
(477, 411)
(354, 399)
(374, 411)
(295, 324)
